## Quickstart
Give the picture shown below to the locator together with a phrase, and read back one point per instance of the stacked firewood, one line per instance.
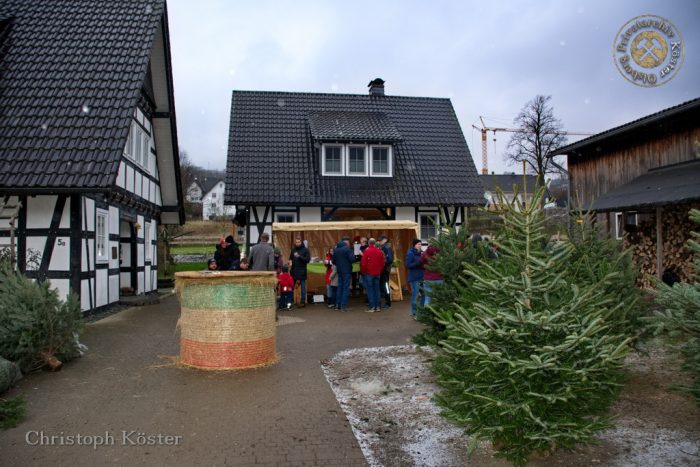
(677, 258)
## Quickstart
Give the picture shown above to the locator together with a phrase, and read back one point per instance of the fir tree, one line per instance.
(532, 358)
(34, 320)
(680, 317)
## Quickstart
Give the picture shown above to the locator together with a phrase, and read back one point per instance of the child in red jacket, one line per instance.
(285, 283)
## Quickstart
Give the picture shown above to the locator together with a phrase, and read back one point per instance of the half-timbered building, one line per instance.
(88, 144)
(305, 157)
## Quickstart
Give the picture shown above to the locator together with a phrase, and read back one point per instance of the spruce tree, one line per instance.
(680, 315)
(532, 359)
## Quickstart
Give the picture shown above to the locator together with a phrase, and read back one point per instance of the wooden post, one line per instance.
(659, 244)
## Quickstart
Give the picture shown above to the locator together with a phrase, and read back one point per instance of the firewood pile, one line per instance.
(676, 256)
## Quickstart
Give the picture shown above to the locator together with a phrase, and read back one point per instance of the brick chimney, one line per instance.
(376, 87)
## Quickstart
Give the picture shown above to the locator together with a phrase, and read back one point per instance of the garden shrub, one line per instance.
(34, 321)
(533, 353)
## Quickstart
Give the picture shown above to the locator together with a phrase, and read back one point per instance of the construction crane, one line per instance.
(484, 129)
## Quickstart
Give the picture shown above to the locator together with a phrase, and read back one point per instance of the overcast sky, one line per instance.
(489, 58)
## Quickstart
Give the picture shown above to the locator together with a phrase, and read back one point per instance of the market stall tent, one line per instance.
(320, 236)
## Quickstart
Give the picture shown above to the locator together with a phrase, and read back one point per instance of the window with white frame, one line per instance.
(357, 160)
(622, 221)
(147, 241)
(101, 235)
(428, 225)
(381, 164)
(332, 160)
(145, 140)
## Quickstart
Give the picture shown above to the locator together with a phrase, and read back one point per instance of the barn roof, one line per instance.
(659, 123)
(274, 138)
(672, 184)
(71, 74)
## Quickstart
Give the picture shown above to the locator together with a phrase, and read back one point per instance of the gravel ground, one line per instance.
(386, 393)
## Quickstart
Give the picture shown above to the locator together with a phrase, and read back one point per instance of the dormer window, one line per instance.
(381, 161)
(333, 160)
(357, 160)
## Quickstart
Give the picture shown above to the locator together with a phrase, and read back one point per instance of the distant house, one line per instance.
(193, 193)
(507, 183)
(213, 200)
(642, 178)
(303, 157)
(88, 143)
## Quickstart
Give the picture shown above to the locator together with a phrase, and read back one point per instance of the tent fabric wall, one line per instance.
(323, 235)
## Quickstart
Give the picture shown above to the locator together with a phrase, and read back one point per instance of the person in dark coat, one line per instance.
(415, 274)
(299, 258)
(343, 257)
(227, 254)
(385, 289)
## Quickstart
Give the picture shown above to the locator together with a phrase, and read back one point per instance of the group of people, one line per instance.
(375, 256)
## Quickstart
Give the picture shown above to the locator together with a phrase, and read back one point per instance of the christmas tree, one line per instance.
(680, 317)
(532, 355)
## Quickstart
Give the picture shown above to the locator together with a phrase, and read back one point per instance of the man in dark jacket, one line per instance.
(384, 278)
(262, 255)
(299, 257)
(415, 274)
(227, 254)
(343, 258)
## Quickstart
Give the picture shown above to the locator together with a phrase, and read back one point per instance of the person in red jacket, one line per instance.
(431, 277)
(371, 267)
(286, 287)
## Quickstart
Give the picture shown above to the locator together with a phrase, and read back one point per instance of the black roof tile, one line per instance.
(71, 73)
(274, 135)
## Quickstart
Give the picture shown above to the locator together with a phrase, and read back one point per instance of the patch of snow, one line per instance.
(659, 447)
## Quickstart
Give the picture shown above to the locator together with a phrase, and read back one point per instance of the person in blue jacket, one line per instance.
(415, 274)
(343, 257)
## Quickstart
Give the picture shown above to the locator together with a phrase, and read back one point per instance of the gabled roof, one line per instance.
(506, 182)
(659, 123)
(208, 183)
(274, 138)
(70, 79)
(677, 183)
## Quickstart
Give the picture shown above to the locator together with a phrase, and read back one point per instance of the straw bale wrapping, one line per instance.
(227, 325)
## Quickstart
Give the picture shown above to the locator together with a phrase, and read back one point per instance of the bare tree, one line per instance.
(541, 133)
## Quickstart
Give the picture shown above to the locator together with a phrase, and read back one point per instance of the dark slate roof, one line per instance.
(677, 183)
(207, 183)
(272, 157)
(70, 78)
(506, 182)
(659, 122)
(348, 126)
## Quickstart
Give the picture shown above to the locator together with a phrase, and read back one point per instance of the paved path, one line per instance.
(285, 414)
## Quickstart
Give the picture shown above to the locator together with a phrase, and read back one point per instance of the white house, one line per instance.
(213, 200)
(304, 157)
(89, 149)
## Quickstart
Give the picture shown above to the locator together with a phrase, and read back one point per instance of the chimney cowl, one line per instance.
(376, 87)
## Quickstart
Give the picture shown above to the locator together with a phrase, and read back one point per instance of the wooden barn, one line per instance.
(642, 178)
(304, 157)
(89, 164)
